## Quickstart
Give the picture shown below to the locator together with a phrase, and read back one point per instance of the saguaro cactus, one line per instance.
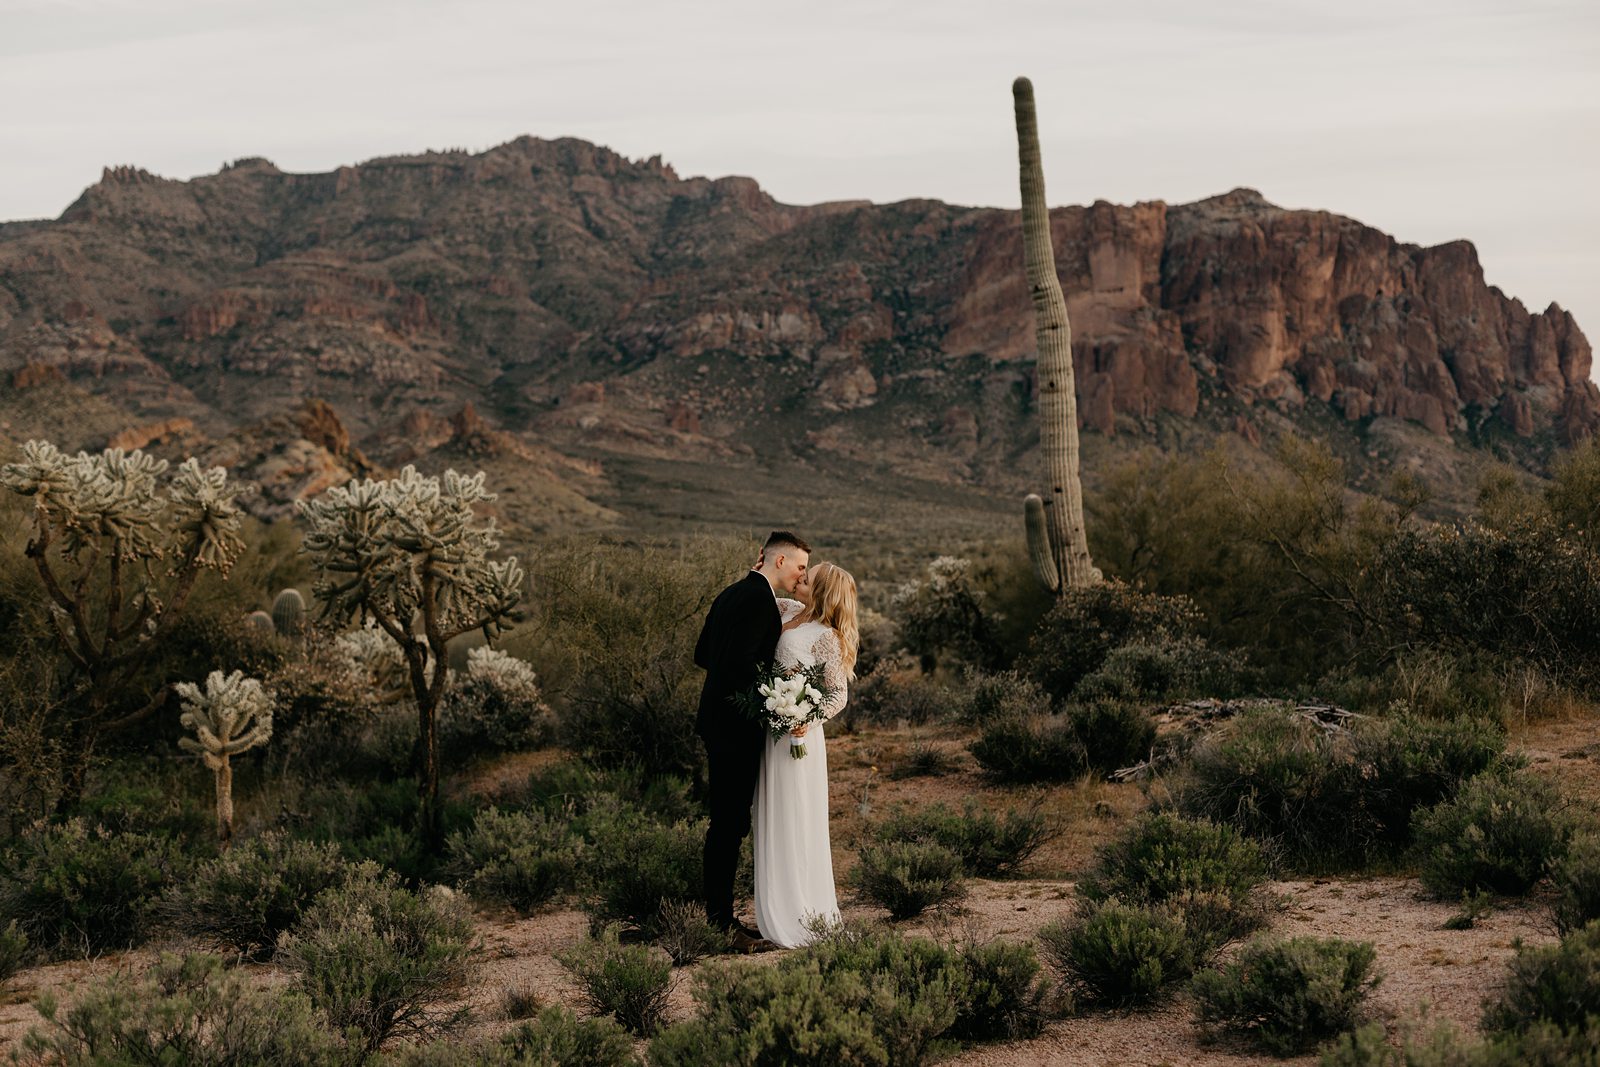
(118, 549)
(289, 613)
(408, 552)
(1056, 538)
(233, 714)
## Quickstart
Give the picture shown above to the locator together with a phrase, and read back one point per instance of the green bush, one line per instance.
(1541, 1045)
(189, 1010)
(686, 935)
(636, 865)
(1005, 994)
(1577, 883)
(1000, 696)
(556, 1038)
(1117, 953)
(576, 788)
(1557, 984)
(81, 891)
(1024, 751)
(245, 898)
(523, 859)
(908, 877)
(1500, 833)
(894, 698)
(1164, 856)
(13, 951)
(1332, 799)
(854, 997)
(1288, 995)
(923, 760)
(1086, 625)
(628, 982)
(375, 821)
(989, 845)
(384, 960)
(1113, 734)
(1161, 669)
(613, 632)
(944, 615)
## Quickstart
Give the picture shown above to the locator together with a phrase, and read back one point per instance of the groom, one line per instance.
(739, 638)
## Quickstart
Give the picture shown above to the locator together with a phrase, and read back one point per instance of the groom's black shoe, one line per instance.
(746, 941)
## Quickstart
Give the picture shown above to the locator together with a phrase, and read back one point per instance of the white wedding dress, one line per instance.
(794, 861)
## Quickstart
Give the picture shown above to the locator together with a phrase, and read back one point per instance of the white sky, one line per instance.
(1430, 119)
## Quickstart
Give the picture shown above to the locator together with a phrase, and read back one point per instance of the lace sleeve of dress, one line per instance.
(788, 609)
(825, 650)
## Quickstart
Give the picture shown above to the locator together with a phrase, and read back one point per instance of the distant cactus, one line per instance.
(118, 545)
(1056, 538)
(260, 624)
(231, 715)
(410, 554)
(289, 613)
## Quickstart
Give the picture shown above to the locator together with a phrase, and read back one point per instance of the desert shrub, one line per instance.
(1540, 1045)
(77, 890)
(989, 845)
(1557, 984)
(944, 615)
(628, 982)
(378, 821)
(923, 760)
(686, 935)
(495, 705)
(13, 950)
(1288, 995)
(1005, 995)
(245, 898)
(576, 788)
(1115, 953)
(190, 1010)
(1163, 668)
(523, 859)
(150, 795)
(519, 1000)
(1577, 883)
(1499, 833)
(908, 877)
(613, 632)
(893, 697)
(1404, 763)
(323, 708)
(1113, 734)
(1331, 799)
(1000, 696)
(559, 1038)
(1201, 871)
(381, 959)
(1021, 751)
(637, 865)
(556, 1038)
(1081, 631)
(1529, 590)
(855, 996)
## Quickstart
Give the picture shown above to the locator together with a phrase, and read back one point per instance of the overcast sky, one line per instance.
(1430, 119)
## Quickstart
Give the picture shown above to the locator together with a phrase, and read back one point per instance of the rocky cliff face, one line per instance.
(568, 292)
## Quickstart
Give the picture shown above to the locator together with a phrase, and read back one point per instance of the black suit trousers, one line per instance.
(732, 764)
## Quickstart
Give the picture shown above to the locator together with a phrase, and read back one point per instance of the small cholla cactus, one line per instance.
(289, 613)
(233, 714)
(118, 547)
(410, 554)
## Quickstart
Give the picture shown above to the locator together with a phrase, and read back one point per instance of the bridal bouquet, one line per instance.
(787, 697)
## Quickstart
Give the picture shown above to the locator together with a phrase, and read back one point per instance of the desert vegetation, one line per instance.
(399, 795)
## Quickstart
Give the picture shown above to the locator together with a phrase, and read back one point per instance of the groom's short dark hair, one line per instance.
(784, 537)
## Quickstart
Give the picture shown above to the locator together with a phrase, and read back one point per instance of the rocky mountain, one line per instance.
(552, 305)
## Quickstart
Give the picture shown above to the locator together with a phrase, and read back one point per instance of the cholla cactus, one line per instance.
(407, 551)
(233, 714)
(105, 528)
(1056, 538)
(376, 662)
(289, 613)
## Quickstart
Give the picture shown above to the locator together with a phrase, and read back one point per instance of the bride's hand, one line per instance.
(799, 731)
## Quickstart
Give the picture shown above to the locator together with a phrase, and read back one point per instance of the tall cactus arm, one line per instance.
(1044, 561)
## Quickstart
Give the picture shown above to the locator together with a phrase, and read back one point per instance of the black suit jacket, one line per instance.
(740, 637)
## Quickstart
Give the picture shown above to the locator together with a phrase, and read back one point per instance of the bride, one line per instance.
(794, 861)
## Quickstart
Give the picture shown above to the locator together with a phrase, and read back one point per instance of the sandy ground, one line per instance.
(1426, 969)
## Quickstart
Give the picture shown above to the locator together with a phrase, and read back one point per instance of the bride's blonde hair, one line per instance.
(833, 603)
